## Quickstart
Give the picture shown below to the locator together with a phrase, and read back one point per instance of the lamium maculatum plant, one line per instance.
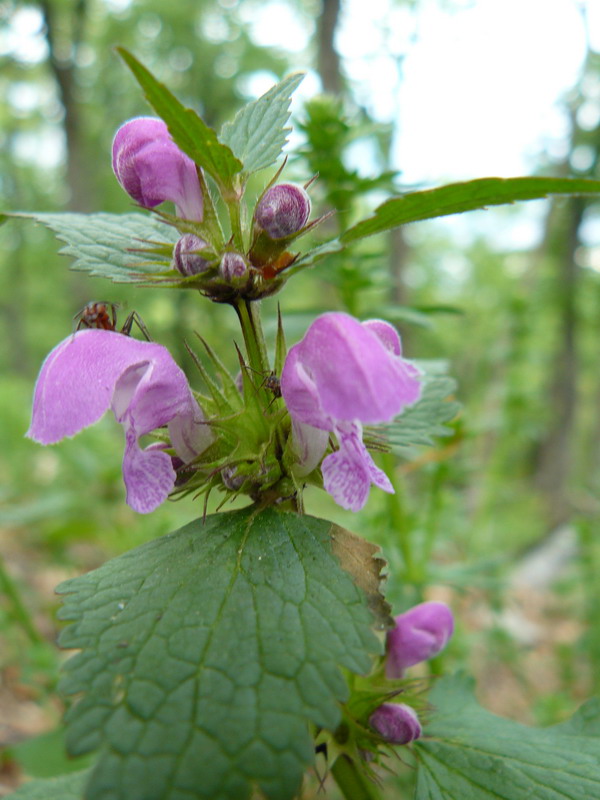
(224, 661)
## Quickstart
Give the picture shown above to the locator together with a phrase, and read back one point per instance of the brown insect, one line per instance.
(103, 316)
(273, 384)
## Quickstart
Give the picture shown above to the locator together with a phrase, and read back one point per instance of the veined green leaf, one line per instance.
(468, 753)
(108, 245)
(258, 132)
(421, 422)
(206, 654)
(188, 130)
(459, 197)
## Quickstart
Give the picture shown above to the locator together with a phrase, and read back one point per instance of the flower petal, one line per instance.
(420, 634)
(148, 474)
(355, 374)
(94, 370)
(349, 472)
(151, 168)
(310, 444)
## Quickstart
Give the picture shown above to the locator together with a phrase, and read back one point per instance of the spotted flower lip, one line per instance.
(419, 634)
(342, 375)
(94, 370)
(151, 168)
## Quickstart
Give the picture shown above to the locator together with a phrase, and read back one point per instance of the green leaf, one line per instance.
(468, 753)
(188, 130)
(312, 256)
(421, 422)
(206, 654)
(458, 197)
(105, 244)
(258, 132)
(64, 787)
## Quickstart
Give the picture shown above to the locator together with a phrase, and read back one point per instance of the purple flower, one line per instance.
(151, 168)
(94, 370)
(186, 259)
(420, 633)
(396, 722)
(232, 266)
(344, 374)
(282, 210)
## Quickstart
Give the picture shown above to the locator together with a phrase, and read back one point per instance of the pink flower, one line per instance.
(151, 168)
(420, 634)
(283, 210)
(344, 374)
(94, 370)
(397, 723)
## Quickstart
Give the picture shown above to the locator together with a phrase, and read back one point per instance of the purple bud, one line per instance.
(232, 266)
(420, 633)
(396, 722)
(185, 259)
(282, 210)
(151, 168)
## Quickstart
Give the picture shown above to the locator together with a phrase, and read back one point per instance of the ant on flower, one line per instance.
(103, 316)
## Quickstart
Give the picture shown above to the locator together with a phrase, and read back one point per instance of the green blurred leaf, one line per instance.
(188, 130)
(312, 256)
(64, 787)
(258, 132)
(421, 422)
(206, 654)
(104, 244)
(44, 756)
(468, 753)
(459, 197)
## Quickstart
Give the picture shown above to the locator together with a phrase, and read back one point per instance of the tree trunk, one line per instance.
(554, 452)
(328, 58)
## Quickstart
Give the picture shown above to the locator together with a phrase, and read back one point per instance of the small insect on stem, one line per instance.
(273, 384)
(103, 316)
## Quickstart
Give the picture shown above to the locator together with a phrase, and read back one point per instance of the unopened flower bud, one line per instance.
(282, 210)
(232, 478)
(232, 266)
(185, 259)
(420, 633)
(151, 168)
(396, 722)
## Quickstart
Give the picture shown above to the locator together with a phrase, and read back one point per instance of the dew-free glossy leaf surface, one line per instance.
(206, 654)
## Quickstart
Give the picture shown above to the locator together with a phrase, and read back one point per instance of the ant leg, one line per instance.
(135, 317)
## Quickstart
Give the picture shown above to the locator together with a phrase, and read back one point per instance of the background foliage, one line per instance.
(517, 477)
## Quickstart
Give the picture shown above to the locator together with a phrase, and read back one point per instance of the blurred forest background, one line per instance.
(501, 512)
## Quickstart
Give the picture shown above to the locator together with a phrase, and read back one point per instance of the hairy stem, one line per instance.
(352, 783)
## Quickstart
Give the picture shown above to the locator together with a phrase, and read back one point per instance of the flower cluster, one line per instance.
(344, 374)
(419, 634)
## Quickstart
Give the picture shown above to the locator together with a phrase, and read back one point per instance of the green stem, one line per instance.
(21, 614)
(236, 224)
(256, 349)
(398, 520)
(353, 784)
